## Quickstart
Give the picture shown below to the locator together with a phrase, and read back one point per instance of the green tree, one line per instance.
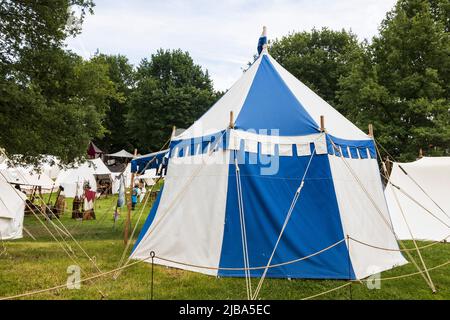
(171, 91)
(56, 108)
(318, 58)
(402, 84)
(51, 101)
(123, 76)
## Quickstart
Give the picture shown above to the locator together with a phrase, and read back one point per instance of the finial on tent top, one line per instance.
(262, 42)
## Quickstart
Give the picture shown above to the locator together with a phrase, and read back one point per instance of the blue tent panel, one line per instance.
(314, 225)
(151, 161)
(270, 104)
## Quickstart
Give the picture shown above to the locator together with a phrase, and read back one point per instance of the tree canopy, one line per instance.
(51, 100)
(171, 91)
(402, 83)
(319, 58)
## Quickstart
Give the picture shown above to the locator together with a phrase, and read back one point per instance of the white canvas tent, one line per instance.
(259, 166)
(12, 205)
(50, 166)
(149, 177)
(418, 197)
(100, 167)
(121, 154)
(27, 178)
(73, 179)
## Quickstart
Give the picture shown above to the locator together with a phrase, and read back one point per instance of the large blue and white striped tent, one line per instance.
(256, 182)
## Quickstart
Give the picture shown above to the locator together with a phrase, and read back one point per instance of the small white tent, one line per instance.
(12, 205)
(148, 177)
(418, 197)
(50, 166)
(73, 179)
(27, 178)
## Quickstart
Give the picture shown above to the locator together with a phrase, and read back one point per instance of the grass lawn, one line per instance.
(28, 265)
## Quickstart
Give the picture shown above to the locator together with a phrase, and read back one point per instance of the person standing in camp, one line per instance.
(134, 196)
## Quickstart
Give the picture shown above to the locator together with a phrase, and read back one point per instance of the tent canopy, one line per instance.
(121, 154)
(27, 177)
(73, 179)
(99, 167)
(257, 161)
(93, 151)
(150, 161)
(418, 196)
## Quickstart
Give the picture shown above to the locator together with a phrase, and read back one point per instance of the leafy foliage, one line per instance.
(318, 58)
(402, 84)
(51, 101)
(171, 91)
(123, 76)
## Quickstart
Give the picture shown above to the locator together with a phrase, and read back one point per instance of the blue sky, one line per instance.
(221, 36)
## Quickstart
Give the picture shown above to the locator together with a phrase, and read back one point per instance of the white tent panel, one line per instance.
(433, 176)
(366, 217)
(72, 180)
(12, 206)
(189, 185)
(99, 167)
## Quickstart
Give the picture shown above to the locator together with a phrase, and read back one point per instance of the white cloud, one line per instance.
(220, 36)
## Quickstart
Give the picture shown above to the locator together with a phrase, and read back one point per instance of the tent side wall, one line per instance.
(313, 226)
(189, 219)
(364, 214)
(12, 206)
(434, 180)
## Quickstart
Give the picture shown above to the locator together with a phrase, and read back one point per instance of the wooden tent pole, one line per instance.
(322, 124)
(371, 130)
(231, 120)
(128, 222)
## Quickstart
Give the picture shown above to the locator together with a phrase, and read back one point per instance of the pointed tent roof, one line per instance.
(99, 167)
(121, 154)
(93, 150)
(268, 97)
